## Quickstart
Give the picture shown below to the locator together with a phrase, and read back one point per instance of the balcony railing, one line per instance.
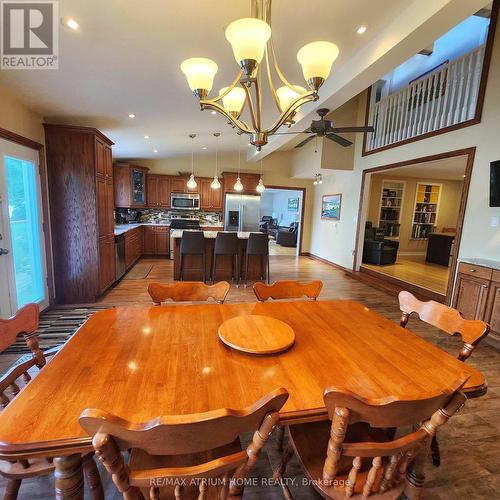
(442, 98)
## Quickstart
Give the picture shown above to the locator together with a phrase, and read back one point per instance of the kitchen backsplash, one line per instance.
(159, 216)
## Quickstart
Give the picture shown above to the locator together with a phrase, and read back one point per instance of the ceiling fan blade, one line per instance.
(352, 129)
(305, 141)
(339, 140)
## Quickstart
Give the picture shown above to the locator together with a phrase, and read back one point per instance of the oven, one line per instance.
(185, 201)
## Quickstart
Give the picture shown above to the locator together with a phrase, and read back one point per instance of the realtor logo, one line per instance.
(30, 34)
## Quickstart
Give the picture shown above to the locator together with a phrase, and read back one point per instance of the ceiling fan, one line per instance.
(326, 128)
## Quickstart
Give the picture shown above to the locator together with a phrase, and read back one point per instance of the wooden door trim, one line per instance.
(29, 143)
(303, 190)
(480, 96)
(470, 153)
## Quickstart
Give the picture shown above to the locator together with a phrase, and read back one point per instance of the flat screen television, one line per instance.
(495, 184)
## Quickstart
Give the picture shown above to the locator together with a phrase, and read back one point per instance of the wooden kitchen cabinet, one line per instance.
(178, 184)
(152, 191)
(210, 199)
(249, 182)
(80, 175)
(164, 182)
(134, 245)
(156, 240)
(130, 185)
(477, 295)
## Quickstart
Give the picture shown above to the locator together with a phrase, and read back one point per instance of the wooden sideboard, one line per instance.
(477, 294)
(80, 175)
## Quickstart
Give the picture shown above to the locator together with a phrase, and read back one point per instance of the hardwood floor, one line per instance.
(275, 249)
(470, 443)
(413, 269)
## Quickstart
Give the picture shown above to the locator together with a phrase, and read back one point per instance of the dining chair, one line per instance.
(226, 243)
(25, 322)
(186, 456)
(188, 291)
(362, 458)
(287, 289)
(451, 322)
(257, 246)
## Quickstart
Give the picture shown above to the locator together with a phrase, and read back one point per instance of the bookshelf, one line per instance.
(426, 210)
(391, 202)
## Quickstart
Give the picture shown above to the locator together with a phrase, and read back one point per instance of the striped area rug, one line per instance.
(56, 327)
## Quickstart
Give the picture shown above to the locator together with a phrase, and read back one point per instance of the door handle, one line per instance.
(3, 251)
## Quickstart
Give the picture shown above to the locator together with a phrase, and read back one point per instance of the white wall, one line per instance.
(275, 203)
(335, 241)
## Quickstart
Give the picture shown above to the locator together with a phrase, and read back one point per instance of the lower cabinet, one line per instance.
(477, 295)
(156, 240)
(134, 245)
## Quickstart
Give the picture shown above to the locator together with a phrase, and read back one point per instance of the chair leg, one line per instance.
(268, 272)
(203, 263)
(181, 270)
(238, 271)
(246, 271)
(279, 472)
(214, 260)
(92, 477)
(280, 436)
(12, 489)
(435, 453)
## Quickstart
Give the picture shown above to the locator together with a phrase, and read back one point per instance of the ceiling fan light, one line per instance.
(260, 186)
(316, 59)
(248, 38)
(234, 100)
(286, 96)
(215, 183)
(200, 73)
(238, 186)
(191, 183)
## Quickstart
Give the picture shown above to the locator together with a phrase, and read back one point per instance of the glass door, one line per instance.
(23, 272)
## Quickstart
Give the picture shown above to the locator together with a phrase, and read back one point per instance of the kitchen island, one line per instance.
(257, 267)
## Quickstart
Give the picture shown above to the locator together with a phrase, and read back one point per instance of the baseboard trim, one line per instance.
(328, 262)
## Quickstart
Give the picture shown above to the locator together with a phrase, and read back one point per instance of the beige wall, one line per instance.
(447, 213)
(336, 241)
(276, 169)
(15, 117)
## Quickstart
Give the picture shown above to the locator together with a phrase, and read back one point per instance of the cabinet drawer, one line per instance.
(473, 270)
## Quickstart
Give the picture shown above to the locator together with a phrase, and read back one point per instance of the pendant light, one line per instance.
(216, 183)
(191, 183)
(238, 186)
(260, 186)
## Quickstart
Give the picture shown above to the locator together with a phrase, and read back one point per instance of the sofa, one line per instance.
(285, 236)
(264, 223)
(378, 250)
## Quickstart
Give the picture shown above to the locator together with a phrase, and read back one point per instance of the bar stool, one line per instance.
(258, 244)
(192, 243)
(226, 244)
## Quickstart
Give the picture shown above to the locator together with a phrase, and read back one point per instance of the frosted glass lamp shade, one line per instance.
(234, 100)
(286, 96)
(238, 186)
(191, 183)
(215, 183)
(200, 73)
(260, 186)
(316, 59)
(248, 37)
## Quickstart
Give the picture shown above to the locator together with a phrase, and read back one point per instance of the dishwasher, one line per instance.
(120, 255)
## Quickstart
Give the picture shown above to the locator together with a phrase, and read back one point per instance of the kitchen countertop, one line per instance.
(493, 264)
(177, 233)
(123, 228)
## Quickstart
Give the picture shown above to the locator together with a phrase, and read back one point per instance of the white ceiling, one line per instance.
(447, 169)
(125, 58)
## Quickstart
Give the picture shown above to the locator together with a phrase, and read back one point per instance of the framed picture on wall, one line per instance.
(293, 204)
(330, 206)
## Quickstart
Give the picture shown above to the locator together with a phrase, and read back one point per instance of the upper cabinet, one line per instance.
(130, 185)
(249, 182)
(178, 184)
(158, 191)
(210, 199)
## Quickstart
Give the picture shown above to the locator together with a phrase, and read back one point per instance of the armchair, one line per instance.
(287, 236)
(264, 223)
(376, 250)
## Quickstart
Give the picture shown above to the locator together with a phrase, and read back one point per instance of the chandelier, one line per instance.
(252, 43)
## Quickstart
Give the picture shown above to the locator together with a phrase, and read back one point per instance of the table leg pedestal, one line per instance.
(69, 477)
(92, 477)
(12, 489)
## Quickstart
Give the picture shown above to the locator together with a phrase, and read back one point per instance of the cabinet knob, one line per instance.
(484, 286)
(472, 270)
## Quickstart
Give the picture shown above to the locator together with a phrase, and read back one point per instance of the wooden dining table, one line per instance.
(142, 362)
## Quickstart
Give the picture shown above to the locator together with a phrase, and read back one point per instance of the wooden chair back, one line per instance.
(287, 289)
(446, 319)
(24, 322)
(183, 435)
(188, 291)
(387, 460)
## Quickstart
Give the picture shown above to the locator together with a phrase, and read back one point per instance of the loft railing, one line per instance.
(442, 98)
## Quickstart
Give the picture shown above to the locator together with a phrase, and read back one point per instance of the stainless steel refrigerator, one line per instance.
(242, 212)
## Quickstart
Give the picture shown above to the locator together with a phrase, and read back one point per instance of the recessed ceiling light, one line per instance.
(204, 147)
(146, 137)
(71, 23)
(155, 151)
(131, 115)
(361, 30)
(213, 112)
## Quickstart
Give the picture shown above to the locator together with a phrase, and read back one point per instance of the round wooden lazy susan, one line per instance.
(256, 334)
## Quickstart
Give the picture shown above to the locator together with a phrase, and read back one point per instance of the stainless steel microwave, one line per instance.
(185, 201)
